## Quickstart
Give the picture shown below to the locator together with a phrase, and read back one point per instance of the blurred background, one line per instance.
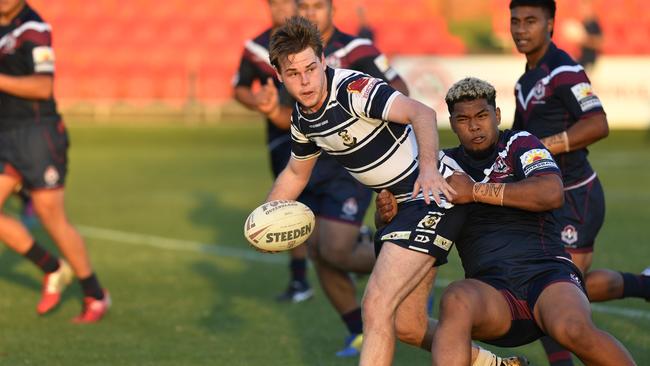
(168, 59)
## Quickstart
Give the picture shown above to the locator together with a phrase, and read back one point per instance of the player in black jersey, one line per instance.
(272, 102)
(516, 271)
(556, 103)
(33, 154)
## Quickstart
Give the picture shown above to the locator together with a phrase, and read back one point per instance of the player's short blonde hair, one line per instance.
(469, 89)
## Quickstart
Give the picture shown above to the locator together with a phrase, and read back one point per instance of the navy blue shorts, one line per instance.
(423, 228)
(522, 300)
(581, 217)
(37, 155)
(341, 199)
(280, 153)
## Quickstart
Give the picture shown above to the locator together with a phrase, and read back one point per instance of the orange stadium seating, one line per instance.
(143, 50)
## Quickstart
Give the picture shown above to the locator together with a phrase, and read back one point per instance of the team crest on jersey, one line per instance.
(585, 96)
(350, 207)
(333, 61)
(569, 235)
(348, 140)
(51, 176)
(536, 159)
(500, 166)
(9, 46)
(539, 91)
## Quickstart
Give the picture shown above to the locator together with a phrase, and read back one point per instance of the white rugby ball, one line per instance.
(279, 225)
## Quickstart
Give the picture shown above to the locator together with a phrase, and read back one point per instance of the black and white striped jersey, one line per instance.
(352, 127)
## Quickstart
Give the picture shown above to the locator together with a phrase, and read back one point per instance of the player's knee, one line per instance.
(335, 252)
(574, 332)
(410, 331)
(375, 307)
(457, 298)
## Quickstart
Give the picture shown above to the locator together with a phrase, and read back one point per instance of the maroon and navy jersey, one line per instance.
(26, 49)
(551, 98)
(499, 240)
(345, 51)
(255, 66)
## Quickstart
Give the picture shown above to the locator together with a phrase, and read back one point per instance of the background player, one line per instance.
(254, 66)
(556, 103)
(33, 152)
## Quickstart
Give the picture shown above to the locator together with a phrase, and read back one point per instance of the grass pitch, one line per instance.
(162, 210)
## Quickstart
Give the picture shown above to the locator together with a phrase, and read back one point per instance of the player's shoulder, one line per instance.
(512, 141)
(30, 15)
(263, 39)
(351, 46)
(559, 62)
(346, 80)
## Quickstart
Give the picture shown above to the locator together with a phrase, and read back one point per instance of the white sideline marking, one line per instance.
(253, 256)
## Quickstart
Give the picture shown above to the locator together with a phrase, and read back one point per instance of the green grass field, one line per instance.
(147, 197)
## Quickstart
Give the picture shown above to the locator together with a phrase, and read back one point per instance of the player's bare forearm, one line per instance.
(38, 87)
(540, 193)
(245, 96)
(292, 181)
(281, 117)
(582, 134)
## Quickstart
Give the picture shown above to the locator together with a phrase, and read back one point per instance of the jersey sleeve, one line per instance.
(36, 46)
(576, 93)
(375, 64)
(530, 157)
(302, 148)
(371, 97)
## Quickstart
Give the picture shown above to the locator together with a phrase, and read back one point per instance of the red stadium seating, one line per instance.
(151, 49)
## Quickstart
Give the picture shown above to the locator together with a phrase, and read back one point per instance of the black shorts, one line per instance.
(522, 300)
(423, 228)
(341, 199)
(280, 152)
(581, 217)
(37, 155)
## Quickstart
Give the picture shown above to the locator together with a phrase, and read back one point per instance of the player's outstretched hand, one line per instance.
(463, 184)
(432, 184)
(267, 99)
(386, 205)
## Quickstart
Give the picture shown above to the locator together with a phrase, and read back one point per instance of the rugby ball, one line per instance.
(278, 226)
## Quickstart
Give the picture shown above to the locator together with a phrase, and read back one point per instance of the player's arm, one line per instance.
(536, 193)
(293, 179)
(583, 133)
(37, 86)
(423, 119)
(265, 101)
(585, 107)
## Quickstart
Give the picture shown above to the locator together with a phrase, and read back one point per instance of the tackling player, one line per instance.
(254, 66)
(375, 132)
(516, 272)
(33, 153)
(556, 103)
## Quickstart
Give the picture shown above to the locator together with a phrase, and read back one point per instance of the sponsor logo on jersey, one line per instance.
(585, 96)
(420, 238)
(442, 242)
(537, 159)
(362, 86)
(396, 235)
(51, 176)
(350, 207)
(348, 140)
(575, 279)
(430, 221)
(43, 59)
(569, 235)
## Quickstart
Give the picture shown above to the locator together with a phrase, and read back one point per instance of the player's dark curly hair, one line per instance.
(296, 35)
(548, 5)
